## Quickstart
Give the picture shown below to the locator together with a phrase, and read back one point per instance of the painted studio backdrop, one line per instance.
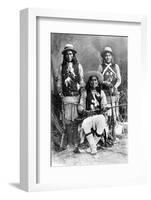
(89, 48)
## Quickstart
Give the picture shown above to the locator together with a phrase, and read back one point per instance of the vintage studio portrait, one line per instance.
(89, 101)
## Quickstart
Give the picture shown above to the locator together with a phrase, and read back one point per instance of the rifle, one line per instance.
(63, 122)
(112, 117)
(96, 112)
(56, 123)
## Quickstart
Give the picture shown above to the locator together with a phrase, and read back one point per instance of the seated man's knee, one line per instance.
(87, 125)
(100, 124)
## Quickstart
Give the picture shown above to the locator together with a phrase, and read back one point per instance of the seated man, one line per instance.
(92, 103)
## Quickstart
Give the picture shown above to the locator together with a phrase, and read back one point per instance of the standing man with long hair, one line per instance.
(69, 83)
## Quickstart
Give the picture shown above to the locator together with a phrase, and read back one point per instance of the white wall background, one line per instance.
(9, 98)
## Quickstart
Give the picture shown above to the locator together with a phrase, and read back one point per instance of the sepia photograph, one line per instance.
(89, 99)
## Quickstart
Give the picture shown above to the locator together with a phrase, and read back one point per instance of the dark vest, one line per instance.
(91, 101)
(71, 88)
(109, 75)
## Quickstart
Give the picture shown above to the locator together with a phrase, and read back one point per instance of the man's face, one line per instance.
(69, 56)
(94, 82)
(108, 57)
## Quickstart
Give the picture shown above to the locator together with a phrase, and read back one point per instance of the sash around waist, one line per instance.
(71, 99)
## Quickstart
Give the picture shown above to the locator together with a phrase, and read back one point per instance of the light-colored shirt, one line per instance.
(117, 74)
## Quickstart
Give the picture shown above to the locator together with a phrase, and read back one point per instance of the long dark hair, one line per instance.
(88, 84)
(74, 59)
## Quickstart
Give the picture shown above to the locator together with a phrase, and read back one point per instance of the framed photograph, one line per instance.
(81, 122)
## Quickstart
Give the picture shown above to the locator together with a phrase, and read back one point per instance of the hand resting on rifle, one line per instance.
(107, 84)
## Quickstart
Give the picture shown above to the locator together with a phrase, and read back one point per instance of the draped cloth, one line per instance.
(70, 107)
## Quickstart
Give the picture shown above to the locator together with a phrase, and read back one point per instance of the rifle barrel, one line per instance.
(121, 105)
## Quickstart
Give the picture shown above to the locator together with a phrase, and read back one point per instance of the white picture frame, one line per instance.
(29, 150)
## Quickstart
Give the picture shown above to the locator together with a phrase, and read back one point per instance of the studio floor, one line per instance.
(117, 154)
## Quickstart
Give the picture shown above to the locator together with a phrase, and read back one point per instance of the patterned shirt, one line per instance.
(111, 73)
(70, 78)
